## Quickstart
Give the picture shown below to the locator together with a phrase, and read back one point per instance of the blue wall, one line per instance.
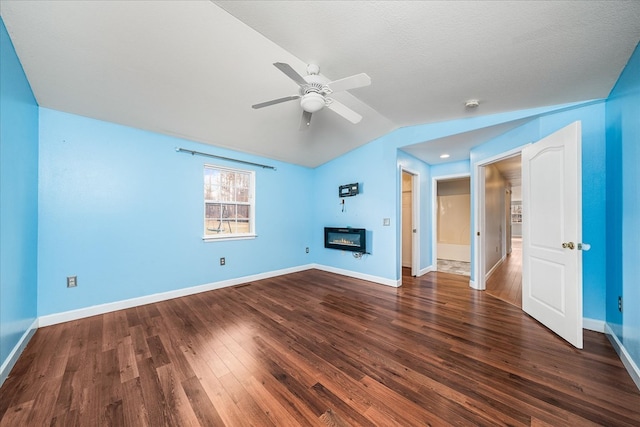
(119, 208)
(373, 166)
(623, 210)
(376, 166)
(122, 210)
(18, 200)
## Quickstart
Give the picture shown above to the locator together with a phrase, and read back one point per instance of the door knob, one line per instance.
(569, 245)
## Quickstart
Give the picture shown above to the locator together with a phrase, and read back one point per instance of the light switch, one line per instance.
(72, 281)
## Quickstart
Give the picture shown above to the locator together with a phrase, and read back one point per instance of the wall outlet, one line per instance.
(72, 281)
(223, 261)
(620, 304)
(386, 222)
(307, 249)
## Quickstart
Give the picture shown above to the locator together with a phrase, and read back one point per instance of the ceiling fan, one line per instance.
(314, 95)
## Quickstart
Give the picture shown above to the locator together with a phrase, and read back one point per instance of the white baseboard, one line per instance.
(473, 285)
(624, 355)
(11, 360)
(423, 271)
(362, 276)
(426, 270)
(66, 316)
(494, 268)
(593, 325)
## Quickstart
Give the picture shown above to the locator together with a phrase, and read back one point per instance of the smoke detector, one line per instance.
(472, 103)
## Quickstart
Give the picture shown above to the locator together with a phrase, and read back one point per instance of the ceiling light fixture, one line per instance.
(472, 103)
(444, 156)
(312, 102)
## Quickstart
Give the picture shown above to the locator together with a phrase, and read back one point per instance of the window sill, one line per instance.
(229, 237)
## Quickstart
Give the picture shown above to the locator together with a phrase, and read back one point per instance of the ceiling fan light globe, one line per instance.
(312, 102)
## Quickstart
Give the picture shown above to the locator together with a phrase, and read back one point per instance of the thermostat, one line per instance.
(348, 190)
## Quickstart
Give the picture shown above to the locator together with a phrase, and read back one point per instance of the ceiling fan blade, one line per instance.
(275, 101)
(305, 121)
(344, 111)
(291, 73)
(359, 80)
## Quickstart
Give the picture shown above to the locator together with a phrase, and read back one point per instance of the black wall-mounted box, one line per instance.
(348, 190)
(346, 238)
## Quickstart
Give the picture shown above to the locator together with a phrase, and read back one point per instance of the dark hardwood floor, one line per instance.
(506, 281)
(315, 348)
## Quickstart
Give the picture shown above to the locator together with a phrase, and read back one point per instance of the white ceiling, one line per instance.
(511, 170)
(194, 68)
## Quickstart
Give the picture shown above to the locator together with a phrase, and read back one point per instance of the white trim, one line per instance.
(415, 219)
(426, 270)
(472, 285)
(12, 358)
(362, 276)
(226, 237)
(477, 241)
(66, 316)
(495, 267)
(251, 203)
(479, 208)
(625, 357)
(434, 211)
(593, 325)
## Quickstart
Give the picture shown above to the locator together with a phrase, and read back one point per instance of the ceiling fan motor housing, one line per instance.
(313, 94)
(312, 102)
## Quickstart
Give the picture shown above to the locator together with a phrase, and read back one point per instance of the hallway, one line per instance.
(506, 282)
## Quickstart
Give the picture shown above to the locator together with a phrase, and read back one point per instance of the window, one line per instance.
(228, 203)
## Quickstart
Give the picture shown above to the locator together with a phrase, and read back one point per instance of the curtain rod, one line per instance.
(184, 150)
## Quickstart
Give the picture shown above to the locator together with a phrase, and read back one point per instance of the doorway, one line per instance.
(504, 277)
(551, 266)
(499, 216)
(410, 222)
(452, 224)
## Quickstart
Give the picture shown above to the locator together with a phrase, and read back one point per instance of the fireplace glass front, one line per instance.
(347, 239)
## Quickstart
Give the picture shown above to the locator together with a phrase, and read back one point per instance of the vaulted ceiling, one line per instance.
(194, 68)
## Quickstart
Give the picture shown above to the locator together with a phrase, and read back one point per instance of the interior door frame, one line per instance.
(434, 212)
(415, 220)
(478, 279)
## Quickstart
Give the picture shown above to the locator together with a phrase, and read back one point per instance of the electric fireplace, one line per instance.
(346, 239)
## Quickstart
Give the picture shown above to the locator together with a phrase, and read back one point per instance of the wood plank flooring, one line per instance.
(506, 281)
(315, 348)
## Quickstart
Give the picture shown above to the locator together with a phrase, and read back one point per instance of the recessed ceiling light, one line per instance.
(444, 156)
(472, 103)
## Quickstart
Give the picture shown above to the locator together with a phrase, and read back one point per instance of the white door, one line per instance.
(410, 206)
(551, 230)
(407, 224)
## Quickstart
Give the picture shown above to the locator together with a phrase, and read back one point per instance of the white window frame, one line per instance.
(251, 203)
